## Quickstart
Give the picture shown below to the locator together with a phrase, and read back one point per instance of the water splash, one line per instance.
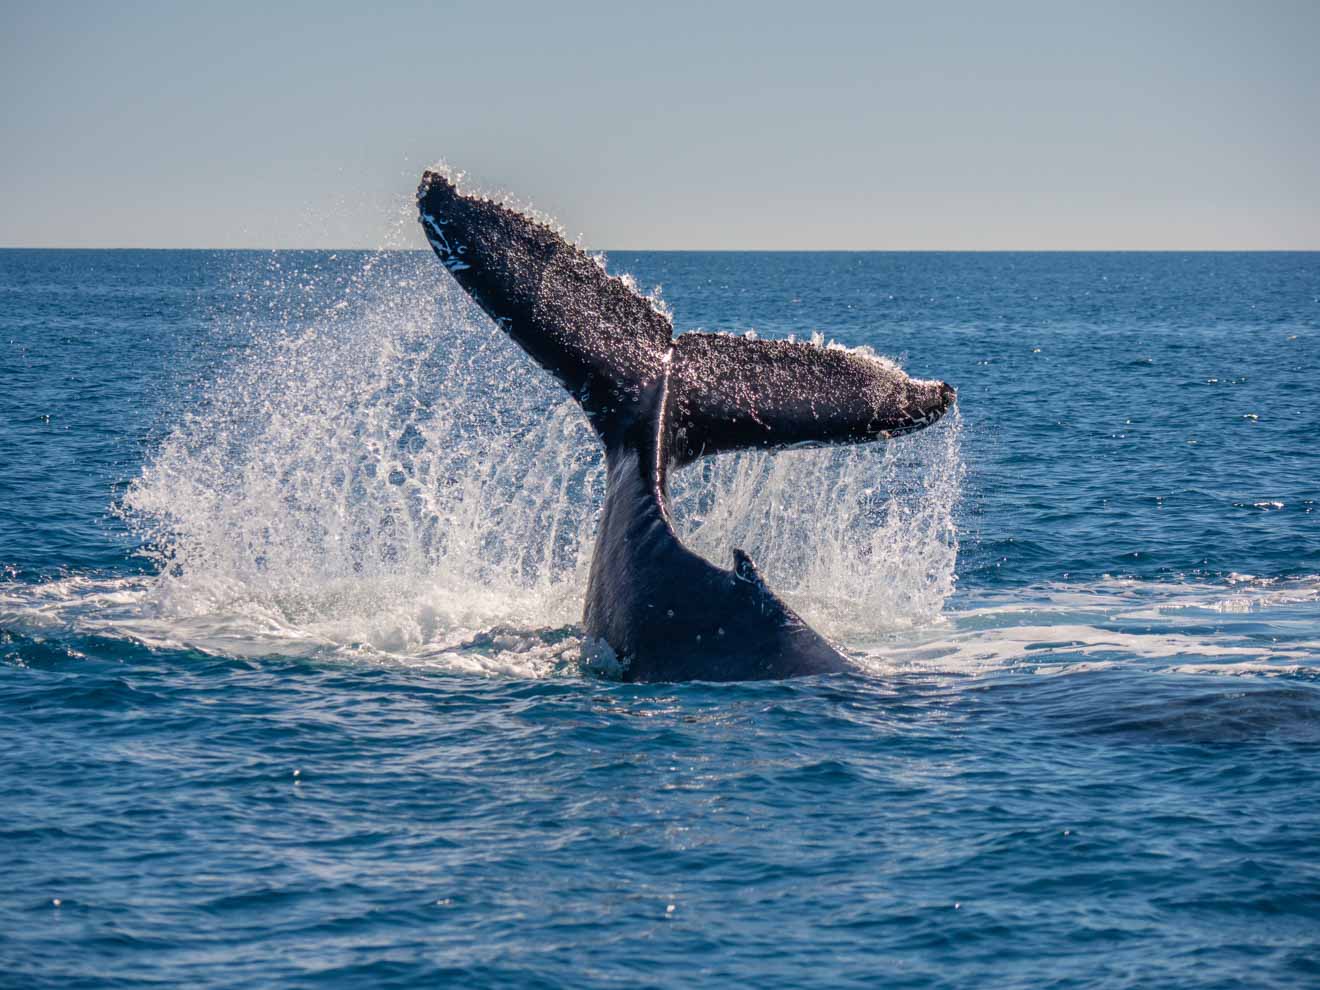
(392, 452)
(861, 540)
(381, 469)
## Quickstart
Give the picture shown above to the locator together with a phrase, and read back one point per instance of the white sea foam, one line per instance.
(1240, 627)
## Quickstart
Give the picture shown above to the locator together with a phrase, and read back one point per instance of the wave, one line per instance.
(1242, 625)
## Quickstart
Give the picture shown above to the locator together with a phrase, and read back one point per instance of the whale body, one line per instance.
(659, 402)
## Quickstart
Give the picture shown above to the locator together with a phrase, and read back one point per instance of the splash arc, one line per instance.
(659, 402)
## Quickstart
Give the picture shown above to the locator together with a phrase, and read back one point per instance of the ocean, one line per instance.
(293, 693)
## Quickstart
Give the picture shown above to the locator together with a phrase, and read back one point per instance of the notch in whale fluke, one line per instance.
(610, 346)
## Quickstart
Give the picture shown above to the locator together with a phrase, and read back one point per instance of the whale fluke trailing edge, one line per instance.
(657, 402)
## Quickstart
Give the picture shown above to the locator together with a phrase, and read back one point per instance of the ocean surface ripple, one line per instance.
(292, 690)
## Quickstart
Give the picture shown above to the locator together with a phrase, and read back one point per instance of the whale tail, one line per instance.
(610, 346)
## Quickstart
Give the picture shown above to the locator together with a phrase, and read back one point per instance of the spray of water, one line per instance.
(380, 469)
(861, 540)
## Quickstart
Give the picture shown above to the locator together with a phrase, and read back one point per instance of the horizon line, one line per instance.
(699, 250)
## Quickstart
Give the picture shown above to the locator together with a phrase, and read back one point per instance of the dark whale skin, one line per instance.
(658, 402)
(670, 613)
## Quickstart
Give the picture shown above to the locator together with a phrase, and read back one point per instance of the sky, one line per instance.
(819, 124)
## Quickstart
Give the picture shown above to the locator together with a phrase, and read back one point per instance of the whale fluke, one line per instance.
(732, 393)
(656, 402)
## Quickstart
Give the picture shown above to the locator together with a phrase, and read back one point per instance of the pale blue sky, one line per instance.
(1021, 125)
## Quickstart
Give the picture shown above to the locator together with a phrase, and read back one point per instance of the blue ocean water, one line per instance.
(291, 692)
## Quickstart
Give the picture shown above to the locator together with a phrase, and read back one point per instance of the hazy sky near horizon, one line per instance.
(941, 125)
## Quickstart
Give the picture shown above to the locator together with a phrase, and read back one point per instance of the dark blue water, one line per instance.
(291, 692)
